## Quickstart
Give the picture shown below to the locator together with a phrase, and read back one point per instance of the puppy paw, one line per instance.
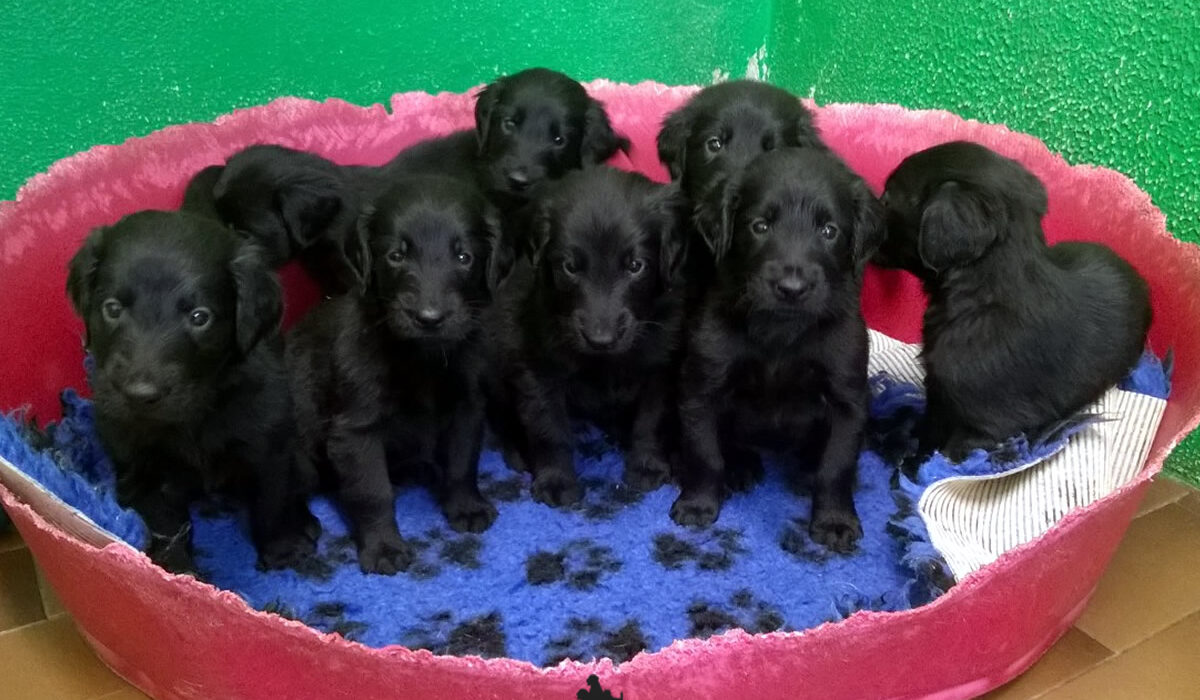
(385, 553)
(646, 472)
(556, 488)
(468, 512)
(836, 529)
(289, 551)
(513, 459)
(698, 509)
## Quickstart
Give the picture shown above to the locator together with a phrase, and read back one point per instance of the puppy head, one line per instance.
(423, 252)
(169, 301)
(608, 246)
(947, 206)
(727, 125)
(793, 232)
(535, 126)
(284, 199)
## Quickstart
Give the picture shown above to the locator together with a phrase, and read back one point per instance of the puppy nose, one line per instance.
(792, 287)
(518, 179)
(600, 339)
(143, 391)
(428, 318)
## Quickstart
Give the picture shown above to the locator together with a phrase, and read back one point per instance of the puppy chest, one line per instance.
(776, 395)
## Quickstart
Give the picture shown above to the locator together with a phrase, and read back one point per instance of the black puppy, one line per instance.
(190, 390)
(292, 203)
(777, 353)
(588, 329)
(388, 381)
(1018, 335)
(530, 127)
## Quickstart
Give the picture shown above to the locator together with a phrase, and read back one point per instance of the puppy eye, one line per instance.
(714, 144)
(508, 125)
(759, 227)
(570, 267)
(635, 266)
(200, 318)
(112, 309)
(768, 143)
(559, 141)
(395, 256)
(464, 258)
(829, 231)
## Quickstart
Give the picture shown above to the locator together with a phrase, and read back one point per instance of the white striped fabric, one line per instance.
(972, 520)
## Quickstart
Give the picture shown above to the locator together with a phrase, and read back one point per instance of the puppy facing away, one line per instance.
(776, 354)
(190, 390)
(292, 203)
(530, 127)
(587, 329)
(1018, 335)
(387, 382)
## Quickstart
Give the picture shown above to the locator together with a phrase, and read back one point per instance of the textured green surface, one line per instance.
(1114, 82)
(1110, 82)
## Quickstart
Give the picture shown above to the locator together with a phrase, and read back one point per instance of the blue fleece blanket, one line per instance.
(608, 578)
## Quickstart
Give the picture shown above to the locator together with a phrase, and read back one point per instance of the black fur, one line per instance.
(588, 327)
(387, 381)
(530, 127)
(190, 391)
(292, 203)
(1018, 335)
(777, 352)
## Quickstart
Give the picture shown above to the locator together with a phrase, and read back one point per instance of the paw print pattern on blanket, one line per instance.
(581, 565)
(584, 639)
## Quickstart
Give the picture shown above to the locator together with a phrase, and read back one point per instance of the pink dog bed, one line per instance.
(176, 638)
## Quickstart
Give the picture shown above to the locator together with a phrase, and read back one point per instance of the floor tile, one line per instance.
(50, 660)
(20, 600)
(1163, 667)
(1191, 502)
(51, 605)
(10, 540)
(129, 693)
(1151, 582)
(1074, 654)
(1163, 490)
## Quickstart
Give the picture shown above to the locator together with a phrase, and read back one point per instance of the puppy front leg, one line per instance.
(365, 492)
(699, 503)
(465, 508)
(834, 522)
(282, 536)
(164, 508)
(647, 465)
(543, 415)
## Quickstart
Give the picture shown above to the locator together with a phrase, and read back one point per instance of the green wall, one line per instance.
(1114, 82)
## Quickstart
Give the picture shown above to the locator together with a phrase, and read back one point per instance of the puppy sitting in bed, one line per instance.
(387, 380)
(1018, 335)
(530, 127)
(190, 393)
(587, 328)
(776, 354)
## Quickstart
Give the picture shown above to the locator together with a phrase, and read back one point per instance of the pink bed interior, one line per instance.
(142, 620)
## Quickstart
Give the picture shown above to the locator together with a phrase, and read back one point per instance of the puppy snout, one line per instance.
(143, 391)
(428, 317)
(518, 179)
(794, 285)
(604, 334)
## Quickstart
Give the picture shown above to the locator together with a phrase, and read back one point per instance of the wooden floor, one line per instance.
(1138, 639)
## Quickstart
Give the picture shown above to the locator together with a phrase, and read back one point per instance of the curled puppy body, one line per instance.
(776, 353)
(1018, 335)
(588, 328)
(716, 134)
(190, 390)
(530, 127)
(387, 382)
(292, 203)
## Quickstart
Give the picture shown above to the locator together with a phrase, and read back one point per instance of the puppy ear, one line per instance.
(670, 207)
(308, 208)
(81, 272)
(1030, 192)
(672, 142)
(485, 103)
(259, 297)
(713, 218)
(869, 223)
(957, 226)
(357, 249)
(806, 135)
(600, 142)
(501, 255)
